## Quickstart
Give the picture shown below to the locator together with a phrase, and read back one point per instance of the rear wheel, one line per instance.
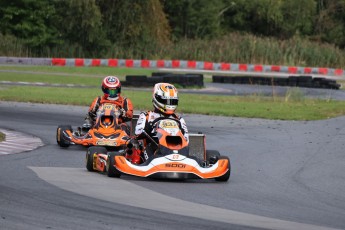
(226, 176)
(60, 138)
(112, 171)
(89, 156)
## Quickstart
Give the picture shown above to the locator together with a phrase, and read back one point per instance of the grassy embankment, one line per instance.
(293, 106)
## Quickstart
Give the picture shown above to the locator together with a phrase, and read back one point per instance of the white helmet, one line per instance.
(165, 98)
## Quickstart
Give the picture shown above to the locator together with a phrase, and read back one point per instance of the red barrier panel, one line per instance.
(95, 62)
(292, 69)
(79, 62)
(258, 68)
(225, 66)
(243, 67)
(338, 72)
(323, 71)
(112, 62)
(59, 61)
(275, 68)
(208, 65)
(145, 63)
(307, 70)
(129, 63)
(191, 64)
(175, 64)
(160, 63)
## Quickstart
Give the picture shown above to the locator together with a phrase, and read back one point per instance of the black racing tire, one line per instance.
(112, 171)
(89, 156)
(212, 153)
(226, 176)
(60, 139)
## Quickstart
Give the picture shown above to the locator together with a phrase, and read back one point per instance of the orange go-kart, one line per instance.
(105, 132)
(173, 157)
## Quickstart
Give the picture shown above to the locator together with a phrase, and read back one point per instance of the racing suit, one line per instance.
(146, 121)
(126, 108)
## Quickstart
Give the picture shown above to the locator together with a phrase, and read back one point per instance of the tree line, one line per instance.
(94, 27)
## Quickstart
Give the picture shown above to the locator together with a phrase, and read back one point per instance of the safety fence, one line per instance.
(196, 65)
(295, 76)
(174, 64)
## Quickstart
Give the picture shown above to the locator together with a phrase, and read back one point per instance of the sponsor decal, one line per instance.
(175, 165)
(109, 106)
(106, 142)
(168, 124)
(145, 155)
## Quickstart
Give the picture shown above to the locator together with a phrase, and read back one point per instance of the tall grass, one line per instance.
(11, 46)
(233, 48)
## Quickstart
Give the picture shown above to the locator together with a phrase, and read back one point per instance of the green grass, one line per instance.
(294, 106)
(77, 71)
(89, 76)
(50, 78)
(250, 106)
(2, 137)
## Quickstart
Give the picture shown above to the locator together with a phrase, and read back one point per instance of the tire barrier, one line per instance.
(182, 80)
(297, 81)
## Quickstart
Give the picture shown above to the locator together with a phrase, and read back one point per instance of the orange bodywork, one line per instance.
(99, 162)
(106, 132)
(121, 138)
(170, 157)
(165, 167)
(170, 160)
(166, 139)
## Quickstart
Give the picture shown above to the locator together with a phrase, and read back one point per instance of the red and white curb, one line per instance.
(17, 142)
(176, 64)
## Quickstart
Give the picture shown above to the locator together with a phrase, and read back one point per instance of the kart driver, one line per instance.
(111, 87)
(165, 101)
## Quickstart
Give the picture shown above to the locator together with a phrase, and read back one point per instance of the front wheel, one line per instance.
(226, 176)
(212, 156)
(89, 160)
(112, 171)
(60, 137)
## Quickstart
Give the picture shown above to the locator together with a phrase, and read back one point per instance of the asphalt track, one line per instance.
(285, 175)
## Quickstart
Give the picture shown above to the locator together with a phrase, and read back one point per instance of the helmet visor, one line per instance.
(112, 92)
(166, 101)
